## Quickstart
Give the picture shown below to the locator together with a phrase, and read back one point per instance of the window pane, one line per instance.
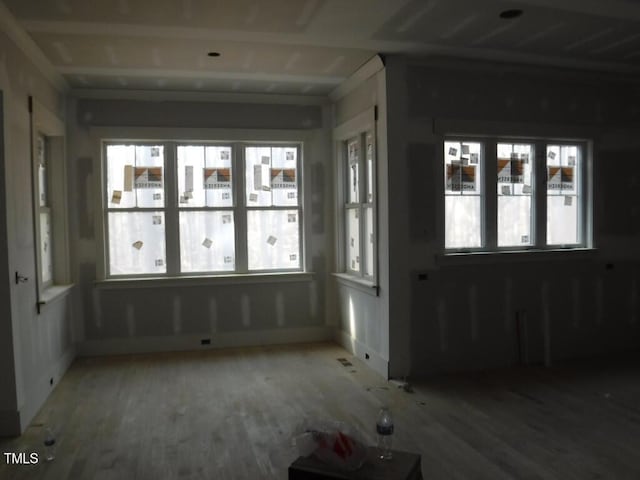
(45, 247)
(563, 197)
(42, 170)
(353, 164)
(273, 239)
(370, 153)
(462, 222)
(271, 176)
(353, 239)
(514, 183)
(368, 234)
(204, 176)
(136, 243)
(463, 194)
(135, 176)
(207, 241)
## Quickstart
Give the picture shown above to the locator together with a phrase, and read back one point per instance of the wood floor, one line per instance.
(230, 415)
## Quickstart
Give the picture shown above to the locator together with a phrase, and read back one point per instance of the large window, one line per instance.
(514, 195)
(207, 208)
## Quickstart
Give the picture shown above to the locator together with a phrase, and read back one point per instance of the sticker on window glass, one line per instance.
(464, 161)
(157, 220)
(453, 151)
(461, 178)
(159, 262)
(188, 195)
(266, 160)
(148, 177)
(228, 259)
(524, 239)
(226, 219)
(571, 160)
(225, 196)
(116, 196)
(473, 158)
(137, 245)
(526, 189)
(291, 195)
(290, 155)
(358, 259)
(506, 190)
(510, 170)
(188, 178)
(266, 188)
(224, 155)
(568, 200)
(157, 196)
(291, 218)
(524, 157)
(128, 178)
(560, 178)
(216, 178)
(464, 149)
(293, 257)
(155, 151)
(253, 197)
(272, 240)
(207, 243)
(551, 155)
(283, 178)
(257, 177)
(184, 199)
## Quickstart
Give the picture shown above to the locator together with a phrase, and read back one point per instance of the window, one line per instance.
(176, 208)
(514, 195)
(358, 206)
(49, 204)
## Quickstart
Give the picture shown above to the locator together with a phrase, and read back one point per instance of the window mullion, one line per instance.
(172, 214)
(240, 208)
(540, 194)
(490, 210)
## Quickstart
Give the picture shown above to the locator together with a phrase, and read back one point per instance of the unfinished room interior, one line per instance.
(224, 224)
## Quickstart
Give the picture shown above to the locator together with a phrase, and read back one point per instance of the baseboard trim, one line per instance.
(123, 346)
(360, 350)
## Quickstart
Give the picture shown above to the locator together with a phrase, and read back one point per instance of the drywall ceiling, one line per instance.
(310, 46)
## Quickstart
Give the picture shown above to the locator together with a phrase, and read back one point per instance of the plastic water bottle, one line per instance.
(384, 428)
(49, 445)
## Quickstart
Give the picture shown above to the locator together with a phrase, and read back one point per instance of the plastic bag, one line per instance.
(333, 443)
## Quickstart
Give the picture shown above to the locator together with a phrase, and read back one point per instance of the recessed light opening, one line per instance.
(213, 54)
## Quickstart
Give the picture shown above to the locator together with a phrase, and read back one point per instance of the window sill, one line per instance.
(54, 293)
(366, 286)
(507, 256)
(196, 281)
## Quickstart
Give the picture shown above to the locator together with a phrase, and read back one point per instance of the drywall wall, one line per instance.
(37, 348)
(156, 315)
(494, 310)
(363, 311)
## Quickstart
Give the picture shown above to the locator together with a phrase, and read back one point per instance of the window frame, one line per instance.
(47, 125)
(489, 203)
(173, 208)
(358, 127)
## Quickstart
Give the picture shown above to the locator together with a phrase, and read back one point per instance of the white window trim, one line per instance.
(102, 135)
(357, 126)
(44, 122)
(539, 207)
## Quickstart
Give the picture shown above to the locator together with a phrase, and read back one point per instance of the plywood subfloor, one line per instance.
(230, 415)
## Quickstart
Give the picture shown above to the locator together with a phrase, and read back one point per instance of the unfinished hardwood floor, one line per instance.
(231, 414)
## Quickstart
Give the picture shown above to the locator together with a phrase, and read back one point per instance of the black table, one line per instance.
(403, 466)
